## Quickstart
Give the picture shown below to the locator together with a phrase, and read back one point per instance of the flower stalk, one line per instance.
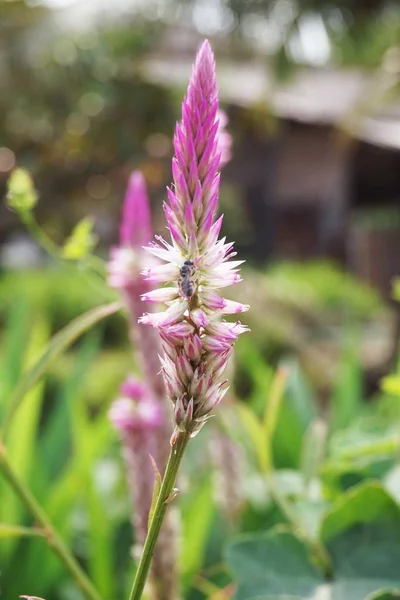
(196, 341)
(165, 496)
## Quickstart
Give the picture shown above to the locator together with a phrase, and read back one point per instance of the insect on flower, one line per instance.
(186, 285)
(196, 339)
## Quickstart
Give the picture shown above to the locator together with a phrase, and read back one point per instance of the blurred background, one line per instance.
(91, 89)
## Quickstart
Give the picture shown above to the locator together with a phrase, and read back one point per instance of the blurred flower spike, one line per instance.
(21, 194)
(139, 417)
(128, 259)
(197, 341)
(136, 409)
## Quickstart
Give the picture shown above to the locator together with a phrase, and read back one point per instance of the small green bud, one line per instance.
(21, 195)
(81, 241)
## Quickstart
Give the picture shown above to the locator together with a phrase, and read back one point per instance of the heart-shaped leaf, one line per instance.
(273, 564)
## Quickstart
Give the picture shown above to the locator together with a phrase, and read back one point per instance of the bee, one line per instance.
(186, 285)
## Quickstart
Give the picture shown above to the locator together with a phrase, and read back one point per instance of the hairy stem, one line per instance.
(55, 542)
(160, 509)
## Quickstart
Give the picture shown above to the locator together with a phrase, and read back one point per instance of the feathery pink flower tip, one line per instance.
(197, 341)
(135, 230)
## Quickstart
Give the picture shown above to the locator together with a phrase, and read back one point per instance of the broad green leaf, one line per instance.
(21, 195)
(62, 340)
(364, 503)
(362, 532)
(275, 563)
(81, 241)
(16, 531)
(387, 594)
(363, 566)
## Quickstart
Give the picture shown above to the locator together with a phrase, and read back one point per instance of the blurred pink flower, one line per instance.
(138, 417)
(142, 413)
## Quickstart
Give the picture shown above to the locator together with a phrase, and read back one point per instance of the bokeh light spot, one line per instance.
(98, 186)
(158, 145)
(64, 52)
(91, 104)
(77, 124)
(7, 160)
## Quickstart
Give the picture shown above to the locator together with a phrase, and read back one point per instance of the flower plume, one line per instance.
(197, 341)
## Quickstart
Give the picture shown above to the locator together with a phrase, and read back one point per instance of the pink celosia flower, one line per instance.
(124, 273)
(197, 341)
(135, 231)
(137, 415)
(142, 413)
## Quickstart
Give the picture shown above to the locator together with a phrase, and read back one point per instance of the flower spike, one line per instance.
(196, 263)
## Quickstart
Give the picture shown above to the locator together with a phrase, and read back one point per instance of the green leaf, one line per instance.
(362, 531)
(196, 522)
(295, 415)
(363, 567)
(21, 195)
(81, 241)
(274, 564)
(271, 414)
(364, 503)
(386, 594)
(7, 530)
(13, 347)
(255, 434)
(348, 392)
(62, 340)
(23, 431)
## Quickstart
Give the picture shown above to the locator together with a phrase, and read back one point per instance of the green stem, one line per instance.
(39, 235)
(160, 509)
(55, 542)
